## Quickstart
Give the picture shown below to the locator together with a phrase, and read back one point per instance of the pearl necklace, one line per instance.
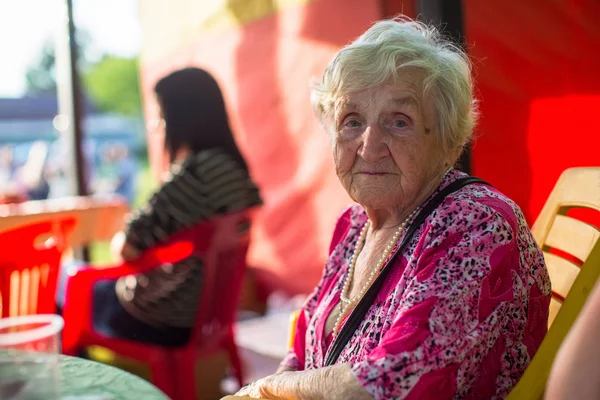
(346, 301)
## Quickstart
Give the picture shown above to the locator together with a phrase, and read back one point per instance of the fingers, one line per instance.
(249, 390)
(264, 388)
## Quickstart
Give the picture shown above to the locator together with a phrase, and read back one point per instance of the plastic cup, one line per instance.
(29, 357)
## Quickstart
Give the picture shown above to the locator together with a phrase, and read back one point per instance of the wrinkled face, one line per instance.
(384, 145)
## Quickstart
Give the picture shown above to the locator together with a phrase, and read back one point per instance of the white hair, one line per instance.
(378, 56)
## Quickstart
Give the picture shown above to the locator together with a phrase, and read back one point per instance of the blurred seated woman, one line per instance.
(208, 177)
(464, 304)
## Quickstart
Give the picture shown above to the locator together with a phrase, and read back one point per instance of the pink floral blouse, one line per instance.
(461, 314)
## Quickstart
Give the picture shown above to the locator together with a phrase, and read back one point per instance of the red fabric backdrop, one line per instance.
(537, 70)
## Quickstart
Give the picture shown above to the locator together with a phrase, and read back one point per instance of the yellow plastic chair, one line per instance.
(292, 331)
(576, 188)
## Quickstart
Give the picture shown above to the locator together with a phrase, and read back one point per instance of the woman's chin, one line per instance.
(376, 198)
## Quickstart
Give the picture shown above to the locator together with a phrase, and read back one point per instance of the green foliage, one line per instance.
(41, 75)
(113, 85)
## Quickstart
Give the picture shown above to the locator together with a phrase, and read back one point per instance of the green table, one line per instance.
(81, 377)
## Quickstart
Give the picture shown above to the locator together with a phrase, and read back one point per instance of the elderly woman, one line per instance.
(434, 287)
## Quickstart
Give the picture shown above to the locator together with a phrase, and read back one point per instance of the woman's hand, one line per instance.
(332, 383)
(275, 387)
(121, 249)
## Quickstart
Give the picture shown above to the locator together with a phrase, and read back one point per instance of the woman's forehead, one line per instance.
(398, 94)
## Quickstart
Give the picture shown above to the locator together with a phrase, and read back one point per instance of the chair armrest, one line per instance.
(149, 260)
(77, 311)
(90, 276)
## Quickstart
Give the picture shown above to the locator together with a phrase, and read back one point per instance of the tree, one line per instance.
(113, 85)
(41, 75)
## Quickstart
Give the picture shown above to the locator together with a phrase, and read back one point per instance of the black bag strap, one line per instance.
(358, 314)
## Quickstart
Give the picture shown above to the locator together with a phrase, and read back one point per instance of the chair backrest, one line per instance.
(572, 253)
(29, 264)
(566, 241)
(224, 267)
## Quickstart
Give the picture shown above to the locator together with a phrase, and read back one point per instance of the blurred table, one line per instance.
(99, 217)
(12, 198)
(81, 377)
(266, 335)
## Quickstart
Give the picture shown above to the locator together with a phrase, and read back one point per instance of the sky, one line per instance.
(25, 25)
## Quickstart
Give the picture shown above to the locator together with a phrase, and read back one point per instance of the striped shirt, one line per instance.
(205, 185)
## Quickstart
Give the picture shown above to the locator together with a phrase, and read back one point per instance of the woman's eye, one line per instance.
(399, 123)
(352, 123)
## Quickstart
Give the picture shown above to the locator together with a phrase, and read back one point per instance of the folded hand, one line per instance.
(273, 387)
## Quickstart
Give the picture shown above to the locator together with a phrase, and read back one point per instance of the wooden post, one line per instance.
(70, 100)
(70, 104)
(449, 15)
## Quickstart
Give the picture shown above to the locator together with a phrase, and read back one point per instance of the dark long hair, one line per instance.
(195, 114)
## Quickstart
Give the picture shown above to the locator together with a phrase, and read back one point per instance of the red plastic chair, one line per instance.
(29, 264)
(222, 245)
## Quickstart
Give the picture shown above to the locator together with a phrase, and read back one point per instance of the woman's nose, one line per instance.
(374, 146)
